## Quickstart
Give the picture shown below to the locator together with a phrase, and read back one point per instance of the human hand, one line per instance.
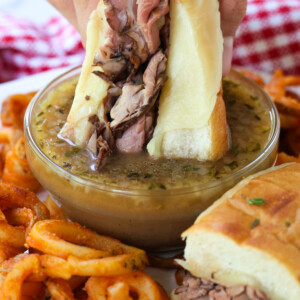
(232, 14)
(77, 12)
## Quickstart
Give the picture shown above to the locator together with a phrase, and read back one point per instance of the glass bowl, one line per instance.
(149, 219)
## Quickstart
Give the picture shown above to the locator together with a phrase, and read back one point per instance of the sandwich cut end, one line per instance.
(235, 243)
(207, 143)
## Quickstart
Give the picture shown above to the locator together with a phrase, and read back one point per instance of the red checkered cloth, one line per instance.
(269, 36)
(27, 48)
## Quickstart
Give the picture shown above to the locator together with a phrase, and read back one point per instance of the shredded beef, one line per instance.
(101, 142)
(148, 15)
(133, 59)
(104, 151)
(133, 36)
(137, 100)
(203, 289)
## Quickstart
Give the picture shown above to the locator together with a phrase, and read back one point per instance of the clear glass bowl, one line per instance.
(149, 219)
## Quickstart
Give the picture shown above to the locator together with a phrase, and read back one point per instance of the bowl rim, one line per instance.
(272, 142)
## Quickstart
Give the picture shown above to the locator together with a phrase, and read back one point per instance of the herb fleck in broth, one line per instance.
(248, 120)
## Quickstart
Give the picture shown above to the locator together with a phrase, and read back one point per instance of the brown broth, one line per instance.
(247, 117)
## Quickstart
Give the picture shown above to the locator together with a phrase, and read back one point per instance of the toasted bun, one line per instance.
(192, 120)
(225, 245)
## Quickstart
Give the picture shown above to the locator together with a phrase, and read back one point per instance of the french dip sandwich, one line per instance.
(151, 77)
(247, 244)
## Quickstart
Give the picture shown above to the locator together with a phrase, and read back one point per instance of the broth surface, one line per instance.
(247, 117)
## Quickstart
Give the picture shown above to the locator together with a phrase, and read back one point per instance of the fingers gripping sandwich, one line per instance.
(246, 245)
(151, 77)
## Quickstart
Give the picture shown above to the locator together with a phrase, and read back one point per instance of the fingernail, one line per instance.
(227, 54)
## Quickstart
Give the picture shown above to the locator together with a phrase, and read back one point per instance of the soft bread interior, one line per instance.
(224, 246)
(205, 143)
(194, 73)
(216, 257)
(77, 127)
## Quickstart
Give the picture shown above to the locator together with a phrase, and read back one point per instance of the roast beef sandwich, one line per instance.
(151, 77)
(247, 245)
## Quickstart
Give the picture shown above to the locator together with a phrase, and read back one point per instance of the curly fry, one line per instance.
(7, 266)
(64, 237)
(59, 238)
(76, 282)
(284, 158)
(8, 137)
(119, 290)
(59, 289)
(13, 109)
(33, 289)
(137, 285)
(7, 252)
(292, 141)
(19, 216)
(276, 90)
(12, 285)
(16, 168)
(17, 197)
(253, 76)
(108, 266)
(56, 267)
(99, 256)
(13, 238)
(22, 208)
(289, 122)
(56, 213)
(81, 294)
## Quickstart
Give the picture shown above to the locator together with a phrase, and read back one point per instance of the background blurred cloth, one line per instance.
(27, 48)
(268, 38)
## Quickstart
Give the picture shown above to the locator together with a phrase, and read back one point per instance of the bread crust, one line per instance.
(207, 143)
(273, 240)
(218, 124)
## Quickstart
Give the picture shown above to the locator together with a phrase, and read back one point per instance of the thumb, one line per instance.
(232, 14)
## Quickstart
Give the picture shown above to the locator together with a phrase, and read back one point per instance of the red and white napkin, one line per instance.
(27, 47)
(268, 38)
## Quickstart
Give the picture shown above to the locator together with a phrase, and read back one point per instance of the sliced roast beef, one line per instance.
(203, 289)
(127, 105)
(133, 34)
(154, 75)
(114, 55)
(134, 66)
(102, 142)
(104, 152)
(136, 100)
(135, 137)
(150, 18)
(116, 15)
(149, 128)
